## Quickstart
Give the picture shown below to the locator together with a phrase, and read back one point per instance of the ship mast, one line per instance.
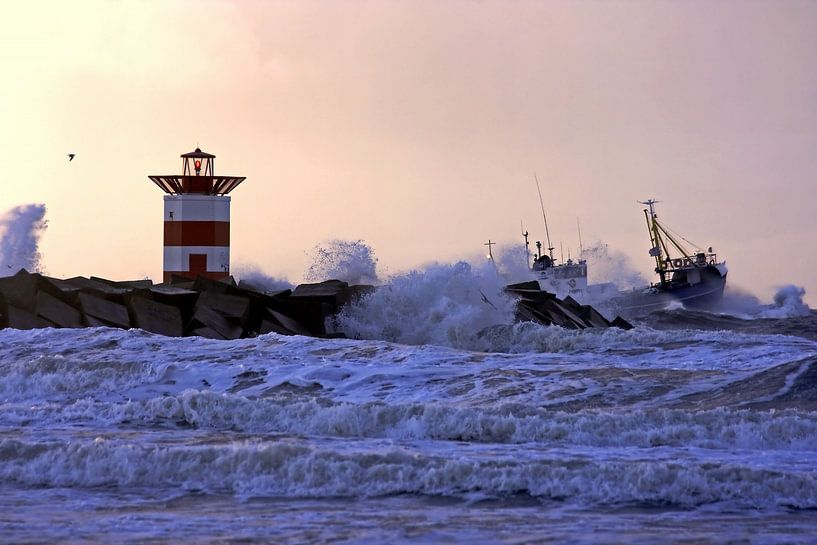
(545, 218)
(527, 244)
(581, 247)
(655, 239)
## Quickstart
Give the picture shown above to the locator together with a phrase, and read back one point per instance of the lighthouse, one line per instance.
(197, 218)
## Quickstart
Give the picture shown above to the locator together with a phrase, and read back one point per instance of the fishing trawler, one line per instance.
(696, 279)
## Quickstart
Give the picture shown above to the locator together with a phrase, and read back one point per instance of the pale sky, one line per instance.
(417, 127)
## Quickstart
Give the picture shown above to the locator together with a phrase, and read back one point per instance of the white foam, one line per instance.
(504, 423)
(444, 304)
(290, 467)
(115, 364)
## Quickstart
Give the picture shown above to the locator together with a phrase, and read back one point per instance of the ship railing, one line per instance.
(701, 259)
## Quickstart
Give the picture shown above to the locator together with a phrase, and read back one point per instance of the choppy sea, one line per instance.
(691, 428)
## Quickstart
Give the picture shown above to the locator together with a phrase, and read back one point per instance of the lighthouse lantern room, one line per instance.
(197, 218)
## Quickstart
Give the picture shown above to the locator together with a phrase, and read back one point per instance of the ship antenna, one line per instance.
(544, 217)
(527, 244)
(581, 247)
(490, 253)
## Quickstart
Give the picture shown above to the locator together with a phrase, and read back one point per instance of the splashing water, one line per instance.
(351, 261)
(787, 303)
(257, 279)
(20, 232)
(514, 263)
(444, 304)
(605, 265)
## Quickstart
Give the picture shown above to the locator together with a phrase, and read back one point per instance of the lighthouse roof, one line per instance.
(197, 154)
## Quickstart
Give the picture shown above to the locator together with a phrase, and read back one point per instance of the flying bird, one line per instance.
(71, 157)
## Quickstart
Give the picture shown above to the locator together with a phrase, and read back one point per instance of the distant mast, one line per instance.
(581, 246)
(490, 255)
(655, 239)
(544, 217)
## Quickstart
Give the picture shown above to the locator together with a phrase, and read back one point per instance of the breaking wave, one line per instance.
(351, 261)
(606, 265)
(681, 418)
(256, 279)
(20, 232)
(787, 303)
(297, 468)
(444, 304)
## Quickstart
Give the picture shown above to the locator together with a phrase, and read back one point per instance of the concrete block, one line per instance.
(60, 289)
(530, 285)
(90, 321)
(577, 310)
(529, 291)
(561, 316)
(180, 282)
(621, 323)
(268, 326)
(56, 311)
(259, 301)
(311, 314)
(108, 311)
(102, 288)
(289, 324)
(525, 313)
(155, 317)
(17, 318)
(20, 290)
(183, 299)
(245, 286)
(132, 284)
(227, 285)
(333, 292)
(593, 317)
(230, 306)
(206, 317)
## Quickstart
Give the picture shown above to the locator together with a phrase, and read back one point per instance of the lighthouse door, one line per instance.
(198, 264)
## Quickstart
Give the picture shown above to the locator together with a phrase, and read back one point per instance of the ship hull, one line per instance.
(704, 295)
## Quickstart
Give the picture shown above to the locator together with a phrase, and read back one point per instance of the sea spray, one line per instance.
(257, 279)
(787, 303)
(20, 232)
(606, 265)
(351, 261)
(513, 263)
(444, 304)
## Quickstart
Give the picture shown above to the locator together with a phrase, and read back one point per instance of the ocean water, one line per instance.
(691, 428)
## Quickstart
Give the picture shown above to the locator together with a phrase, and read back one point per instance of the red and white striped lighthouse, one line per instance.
(197, 218)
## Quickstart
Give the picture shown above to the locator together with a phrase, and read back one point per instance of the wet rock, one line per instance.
(20, 290)
(58, 312)
(230, 306)
(333, 292)
(17, 318)
(109, 312)
(155, 317)
(621, 323)
(206, 318)
(288, 324)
